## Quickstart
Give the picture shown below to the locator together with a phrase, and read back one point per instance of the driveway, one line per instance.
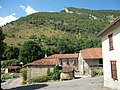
(85, 83)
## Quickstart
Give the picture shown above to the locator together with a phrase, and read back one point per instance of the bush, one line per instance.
(100, 73)
(94, 74)
(48, 72)
(55, 77)
(24, 73)
(16, 75)
(56, 73)
(6, 76)
(2, 71)
(40, 79)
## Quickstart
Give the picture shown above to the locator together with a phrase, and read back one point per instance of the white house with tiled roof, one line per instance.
(111, 54)
(90, 61)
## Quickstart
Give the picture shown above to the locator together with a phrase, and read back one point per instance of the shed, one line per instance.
(67, 73)
(12, 69)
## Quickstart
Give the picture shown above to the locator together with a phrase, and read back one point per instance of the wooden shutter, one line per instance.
(67, 62)
(61, 63)
(111, 41)
(113, 70)
(73, 62)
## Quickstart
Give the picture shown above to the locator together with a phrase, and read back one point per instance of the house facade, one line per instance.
(90, 61)
(40, 67)
(111, 54)
(66, 59)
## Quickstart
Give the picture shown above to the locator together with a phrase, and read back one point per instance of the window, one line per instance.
(111, 41)
(113, 70)
(100, 61)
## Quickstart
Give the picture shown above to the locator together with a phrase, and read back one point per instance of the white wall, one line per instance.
(111, 55)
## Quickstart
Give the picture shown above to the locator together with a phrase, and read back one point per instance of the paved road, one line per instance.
(76, 84)
(15, 82)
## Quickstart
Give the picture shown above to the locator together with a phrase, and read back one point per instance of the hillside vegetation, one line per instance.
(67, 31)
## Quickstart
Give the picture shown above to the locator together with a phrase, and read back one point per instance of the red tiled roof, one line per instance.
(67, 69)
(13, 67)
(64, 56)
(92, 53)
(44, 62)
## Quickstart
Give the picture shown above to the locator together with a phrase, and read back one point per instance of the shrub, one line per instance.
(40, 79)
(94, 74)
(2, 71)
(48, 72)
(24, 73)
(56, 73)
(6, 76)
(100, 73)
(54, 77)
(16, 75)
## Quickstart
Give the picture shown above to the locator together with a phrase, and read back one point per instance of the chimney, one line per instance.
(45, 55)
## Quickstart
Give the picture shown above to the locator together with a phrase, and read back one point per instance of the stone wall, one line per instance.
(34, 71)
(66, 75)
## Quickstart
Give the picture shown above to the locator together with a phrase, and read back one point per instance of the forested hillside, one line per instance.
(67, 31)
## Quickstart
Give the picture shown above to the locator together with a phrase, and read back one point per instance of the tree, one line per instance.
(56, 73)
(11, 52)
(2, 44)
(30, 51)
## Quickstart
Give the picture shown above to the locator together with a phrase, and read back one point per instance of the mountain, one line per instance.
(79, 27)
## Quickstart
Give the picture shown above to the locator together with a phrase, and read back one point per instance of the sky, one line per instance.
(11, 10)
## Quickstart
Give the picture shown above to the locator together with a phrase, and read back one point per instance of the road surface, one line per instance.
(11, 83)
(85, 83)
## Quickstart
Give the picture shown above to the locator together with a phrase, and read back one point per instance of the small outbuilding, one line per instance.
(67, 73)
(40, 67)
(12, 69)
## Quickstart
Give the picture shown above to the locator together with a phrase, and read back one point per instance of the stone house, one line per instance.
(111, 54)
(40, 67)
(90, 61)
(66, 59)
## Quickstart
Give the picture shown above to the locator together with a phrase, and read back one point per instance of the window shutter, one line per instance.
(111, 41)
(113, 70)
(61, 63)
(73, 62)
(67, 62)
